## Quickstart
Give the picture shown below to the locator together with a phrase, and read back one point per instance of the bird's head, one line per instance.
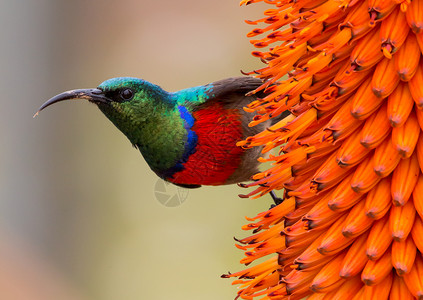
(128, 102)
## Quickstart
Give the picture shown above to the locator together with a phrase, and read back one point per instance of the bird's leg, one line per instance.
(275, 198)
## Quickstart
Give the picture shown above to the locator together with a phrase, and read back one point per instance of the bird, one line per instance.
(186, 137)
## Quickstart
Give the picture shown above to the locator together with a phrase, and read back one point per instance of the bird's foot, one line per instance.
(276, 199)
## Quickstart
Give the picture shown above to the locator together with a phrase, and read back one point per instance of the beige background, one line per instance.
(78, 215)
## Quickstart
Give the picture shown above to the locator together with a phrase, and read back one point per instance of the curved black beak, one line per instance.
(92, 95)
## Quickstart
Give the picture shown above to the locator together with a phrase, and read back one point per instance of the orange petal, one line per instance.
(375, 271)
(357, 221)
(419, 115)
(378, 200)
(405, 138)
(351, 151)
(376, 129)
(364, 101)
(414, 16)
(404, 179)
(328, 277)
(355, 259)
(385, 78)
(393, 32)
(399, 290)
(379, 239)
(364, 55)
(416, 85)
(385, 159)
(414, 279)
(400, 104)
(364, 178)
(403, 255)
(407, 58)
(401, 220)
(418, 196)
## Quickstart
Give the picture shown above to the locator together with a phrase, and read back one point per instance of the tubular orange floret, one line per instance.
(347, 80)
(404, 179)
(405, 138)
(364, 178)
(333, 240)
(364, 101)
(343, 123)
(296, 280)
(385, 78)
(375, 129)
(414, 16)
(315, 261)
(363, 56)
(400, 104)
(380, 9)
(416, 85)
(416, 233)
(347, 290)
(320, 215)
(375, 271)
(378, 200)
(401, 220)
(385, 159)
(414, 279)
(378, 291)
(329, 174)
(357, 221)
(352, 151)
(358, 20)
(418, 195)
(399, 290)
(379, 240)
(344, 196)
(403, 255)
(393, 32)
(420, 151)
(408, 57)
(355, 258)
(328, 277)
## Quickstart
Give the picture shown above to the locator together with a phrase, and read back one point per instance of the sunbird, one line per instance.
(186, 137)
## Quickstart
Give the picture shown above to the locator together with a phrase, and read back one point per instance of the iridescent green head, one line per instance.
(127, 102)
(144, 112)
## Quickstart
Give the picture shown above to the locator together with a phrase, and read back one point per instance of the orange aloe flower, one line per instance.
(350, 162)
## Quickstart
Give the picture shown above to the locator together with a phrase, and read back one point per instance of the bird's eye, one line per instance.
(126, 94)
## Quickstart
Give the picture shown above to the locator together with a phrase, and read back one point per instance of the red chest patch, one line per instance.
(216, 157)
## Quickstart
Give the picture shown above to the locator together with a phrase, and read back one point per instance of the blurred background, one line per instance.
(79, 216)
